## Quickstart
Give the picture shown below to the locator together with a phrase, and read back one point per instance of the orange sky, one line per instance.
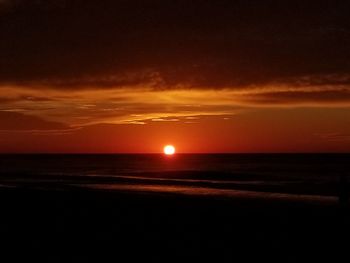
(206, 76)
(248, 130)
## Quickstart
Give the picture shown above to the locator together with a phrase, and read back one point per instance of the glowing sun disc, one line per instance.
(169, 150)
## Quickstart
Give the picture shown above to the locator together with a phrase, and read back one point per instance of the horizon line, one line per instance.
(159, 153)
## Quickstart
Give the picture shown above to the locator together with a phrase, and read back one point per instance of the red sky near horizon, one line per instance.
(132, 76)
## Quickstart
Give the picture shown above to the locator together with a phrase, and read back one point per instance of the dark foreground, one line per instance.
(82, 225)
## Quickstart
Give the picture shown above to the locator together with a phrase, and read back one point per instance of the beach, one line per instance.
(80, 225)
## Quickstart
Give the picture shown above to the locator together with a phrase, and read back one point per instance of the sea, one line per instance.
(300, 177)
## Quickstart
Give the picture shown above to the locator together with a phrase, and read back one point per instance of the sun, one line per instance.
(169, 150)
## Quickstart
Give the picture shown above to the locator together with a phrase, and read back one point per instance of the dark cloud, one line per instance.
(25, 98)
(295, 97)
(166, 43)
(14, 121)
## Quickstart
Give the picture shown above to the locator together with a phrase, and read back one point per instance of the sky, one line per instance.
(207, 76)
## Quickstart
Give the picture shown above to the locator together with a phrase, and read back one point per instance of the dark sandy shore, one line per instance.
(112, 226)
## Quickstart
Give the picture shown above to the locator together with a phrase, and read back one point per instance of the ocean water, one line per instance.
(313, 176)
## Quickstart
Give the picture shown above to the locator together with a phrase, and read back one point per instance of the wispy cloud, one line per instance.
(335, 136)
(14, 121)
(134, 105)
